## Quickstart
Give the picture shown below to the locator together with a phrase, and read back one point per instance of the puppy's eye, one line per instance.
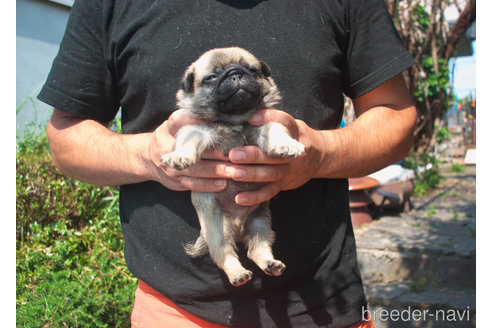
(210, 78)
(253, 69)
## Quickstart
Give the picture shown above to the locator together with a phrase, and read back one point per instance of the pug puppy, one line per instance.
(225, 87)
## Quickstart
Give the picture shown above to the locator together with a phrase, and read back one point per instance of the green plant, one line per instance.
(418, 286)
(431, 43)
(431, 211)
(473, 232)
(76, 279)
(32, 127)
(443, 134)
(70, 269)
(437, 79)
(30, 98)
(426, 169)
(46, 196)
(458, 168)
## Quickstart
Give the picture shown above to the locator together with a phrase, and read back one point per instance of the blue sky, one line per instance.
(465, 74)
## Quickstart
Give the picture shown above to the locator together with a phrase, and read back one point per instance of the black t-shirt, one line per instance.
(132, 54)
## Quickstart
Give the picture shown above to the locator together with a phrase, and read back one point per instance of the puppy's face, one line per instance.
(227, 85)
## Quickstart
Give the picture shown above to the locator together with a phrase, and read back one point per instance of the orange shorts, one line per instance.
(152, 310)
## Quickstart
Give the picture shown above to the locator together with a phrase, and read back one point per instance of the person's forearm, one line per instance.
(89, 151)
(379, 137)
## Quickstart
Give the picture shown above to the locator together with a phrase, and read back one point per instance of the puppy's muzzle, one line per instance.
(237, 90)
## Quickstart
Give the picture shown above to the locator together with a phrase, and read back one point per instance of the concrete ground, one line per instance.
(419, 267)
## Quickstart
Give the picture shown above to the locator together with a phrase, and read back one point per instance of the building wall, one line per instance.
(40, 25)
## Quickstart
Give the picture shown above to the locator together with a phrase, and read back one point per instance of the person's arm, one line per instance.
(87, 150)
(381, 135)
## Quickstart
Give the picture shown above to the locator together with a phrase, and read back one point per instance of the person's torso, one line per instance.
(150, 43)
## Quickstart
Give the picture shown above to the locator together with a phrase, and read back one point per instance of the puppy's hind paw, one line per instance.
(241, 278)
(274, 268)
(177, 162)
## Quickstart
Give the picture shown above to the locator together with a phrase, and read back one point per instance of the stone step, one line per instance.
(437, 249)
(420, 266)
(402, 304)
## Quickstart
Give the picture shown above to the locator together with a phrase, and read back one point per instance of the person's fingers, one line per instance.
(252, 155)
(214, 154)
(205, 169)
(202, 184)
(205, 176)
(264, 116)
(257, 173)
(250, 198)
(180, 118)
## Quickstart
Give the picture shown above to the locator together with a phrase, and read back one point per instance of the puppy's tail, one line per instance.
(197, 249)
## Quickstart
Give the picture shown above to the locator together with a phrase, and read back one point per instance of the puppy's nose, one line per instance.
(231, 79)
(235, 74)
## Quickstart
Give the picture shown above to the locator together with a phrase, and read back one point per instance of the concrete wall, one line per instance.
(40, 25)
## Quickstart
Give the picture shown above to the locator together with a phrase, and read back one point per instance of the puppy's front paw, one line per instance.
(289, 148)
(177, 161)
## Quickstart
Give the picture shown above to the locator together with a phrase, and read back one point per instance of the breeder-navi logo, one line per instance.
(409, 314)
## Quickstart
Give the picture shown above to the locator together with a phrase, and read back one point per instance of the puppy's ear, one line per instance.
(188, 81)
(265, 69)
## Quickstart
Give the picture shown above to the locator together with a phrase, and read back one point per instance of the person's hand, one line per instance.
(208, 175)
(279, 174)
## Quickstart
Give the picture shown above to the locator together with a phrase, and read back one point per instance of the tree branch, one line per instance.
(464, 21)
(430, 33)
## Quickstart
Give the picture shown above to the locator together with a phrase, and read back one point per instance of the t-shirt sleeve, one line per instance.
(80, 81)
(375, 52)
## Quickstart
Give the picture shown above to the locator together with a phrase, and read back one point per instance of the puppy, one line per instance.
(225, 87)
